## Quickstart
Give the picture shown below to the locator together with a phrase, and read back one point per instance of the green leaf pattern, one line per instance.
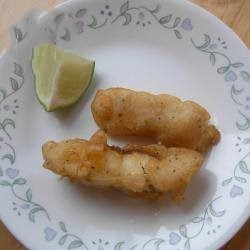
(4, 183)
(124, 8)
(183, 230)
(127, 12)
(165, 19)
(212, 58)
(80, 13)
(29, 195)
(19, 181)
(62, 240)
(243, 167)
(75, 244)
(33, 212)
(19, 34)
(240, 174)
(15, 83)
(18, 70)
(9, 157)
(58, 19)
(62, 226)
(200, 221)
(238, 94)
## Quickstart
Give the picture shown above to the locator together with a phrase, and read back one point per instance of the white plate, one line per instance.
(161, 46)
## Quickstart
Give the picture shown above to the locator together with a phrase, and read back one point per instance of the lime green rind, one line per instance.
(35, 77)
(84, 90)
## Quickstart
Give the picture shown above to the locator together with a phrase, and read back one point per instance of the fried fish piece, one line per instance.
(166, 118)
(142, 170)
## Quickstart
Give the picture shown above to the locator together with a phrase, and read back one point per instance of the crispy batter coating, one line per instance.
(164, 117)
(141, 170)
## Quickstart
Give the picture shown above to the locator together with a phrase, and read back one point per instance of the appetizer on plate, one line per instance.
(166, 118)
(142, 170)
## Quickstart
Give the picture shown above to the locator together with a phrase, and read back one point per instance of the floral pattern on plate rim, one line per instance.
(11, 178)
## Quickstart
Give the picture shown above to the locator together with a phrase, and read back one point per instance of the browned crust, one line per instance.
(165, 118)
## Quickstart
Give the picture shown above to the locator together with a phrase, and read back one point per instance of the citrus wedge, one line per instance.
(61, 77)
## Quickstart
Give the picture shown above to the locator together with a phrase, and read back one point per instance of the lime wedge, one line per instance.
(61, 77)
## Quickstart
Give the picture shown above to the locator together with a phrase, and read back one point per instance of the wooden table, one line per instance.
(235, 13)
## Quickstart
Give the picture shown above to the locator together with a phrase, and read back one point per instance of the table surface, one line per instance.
(235, 13)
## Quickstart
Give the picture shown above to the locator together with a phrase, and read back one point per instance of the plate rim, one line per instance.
(244, 215)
